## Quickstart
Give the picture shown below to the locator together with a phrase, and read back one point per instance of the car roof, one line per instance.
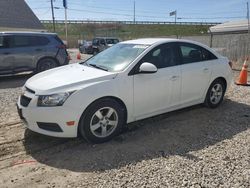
(105, 38)
(157, 41)
(152, 41)
(26, 33)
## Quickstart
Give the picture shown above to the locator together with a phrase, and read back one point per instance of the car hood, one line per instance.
(67, 77)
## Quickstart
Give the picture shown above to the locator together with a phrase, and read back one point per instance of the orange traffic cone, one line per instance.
(243, 75)
(78, 56)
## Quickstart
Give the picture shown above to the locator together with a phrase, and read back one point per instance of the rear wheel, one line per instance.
(102, 121)
(46, 64)
(215, 94)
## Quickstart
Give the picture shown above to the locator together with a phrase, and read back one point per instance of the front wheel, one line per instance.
(215, 94)
(102, 121)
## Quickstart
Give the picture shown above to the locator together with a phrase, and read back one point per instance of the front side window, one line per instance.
(117, 57)
(162, 56)
(1, 42)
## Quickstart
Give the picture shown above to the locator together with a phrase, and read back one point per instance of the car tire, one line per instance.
(95, 124)
(215, 93)
(46, 64)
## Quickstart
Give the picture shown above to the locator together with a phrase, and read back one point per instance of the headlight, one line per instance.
(53, 100)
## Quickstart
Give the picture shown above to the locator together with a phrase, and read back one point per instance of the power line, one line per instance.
(158, 12)
(144, 16)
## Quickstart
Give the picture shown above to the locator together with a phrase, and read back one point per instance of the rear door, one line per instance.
(6, 56)
(195, 73)
(24, 52)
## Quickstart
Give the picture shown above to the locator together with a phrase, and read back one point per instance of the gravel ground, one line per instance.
(193, 147)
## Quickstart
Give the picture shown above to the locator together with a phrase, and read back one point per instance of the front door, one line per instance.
(158, 91)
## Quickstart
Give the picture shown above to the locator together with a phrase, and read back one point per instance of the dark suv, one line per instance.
(101, 43)
(30, 51)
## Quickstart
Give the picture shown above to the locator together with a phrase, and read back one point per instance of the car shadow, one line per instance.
(14, 81)
(175, 133)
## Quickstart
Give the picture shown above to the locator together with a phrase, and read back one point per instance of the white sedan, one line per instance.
(130, 81)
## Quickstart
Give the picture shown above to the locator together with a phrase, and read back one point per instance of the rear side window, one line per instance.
(102, 41)
(28, 41)
(38, 41)
(20, 41)
(206, 55)
(58, 40)
(192, 53)
(95, 41)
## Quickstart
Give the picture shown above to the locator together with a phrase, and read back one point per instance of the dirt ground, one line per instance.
(193, 147)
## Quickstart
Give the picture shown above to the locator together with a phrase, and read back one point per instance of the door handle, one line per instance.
(38, 49)
(6, 53)
(205, 69)
(173, 78)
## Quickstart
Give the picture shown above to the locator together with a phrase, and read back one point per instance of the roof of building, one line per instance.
(239, 26)
(17, 14)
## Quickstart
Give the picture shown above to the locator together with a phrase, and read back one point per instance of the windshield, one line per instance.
(117, 57)
(112, 41)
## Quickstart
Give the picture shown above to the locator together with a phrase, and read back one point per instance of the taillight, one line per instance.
(230, 64)
(62, 46)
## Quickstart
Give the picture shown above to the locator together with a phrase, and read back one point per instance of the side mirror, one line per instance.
(147, 68)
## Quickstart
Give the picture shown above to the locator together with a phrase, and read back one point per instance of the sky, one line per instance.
(145, 10)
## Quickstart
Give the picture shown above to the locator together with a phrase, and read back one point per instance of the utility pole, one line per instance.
(134, 11)
(53, 16)
(248, 27)
(248, 18)
(175, 16)
(66, 20)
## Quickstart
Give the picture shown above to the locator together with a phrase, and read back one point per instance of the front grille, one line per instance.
(25, 101)
(30, 90)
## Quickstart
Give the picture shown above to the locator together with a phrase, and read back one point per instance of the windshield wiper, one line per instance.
(98, 67)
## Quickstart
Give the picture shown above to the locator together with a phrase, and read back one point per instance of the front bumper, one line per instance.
(35, 118)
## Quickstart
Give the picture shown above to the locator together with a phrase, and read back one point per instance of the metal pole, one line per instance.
(53, 16)
(248, 18)
(134, 12)
(175, 16)
(66, 26)
(248, 42)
